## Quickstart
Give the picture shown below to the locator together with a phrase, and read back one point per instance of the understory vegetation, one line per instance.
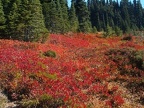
(74, 71)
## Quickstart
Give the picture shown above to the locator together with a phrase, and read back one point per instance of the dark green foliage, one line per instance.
(24, 20)
(2, 20)
(28, 19)
(56, 15)
(74, 24)
(83, 16)
(34, 27)
(127, 38)
(50, 54)
(123, 16)
(65, 18)
(51, 15)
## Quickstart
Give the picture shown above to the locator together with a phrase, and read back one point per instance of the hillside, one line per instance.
(74, 71)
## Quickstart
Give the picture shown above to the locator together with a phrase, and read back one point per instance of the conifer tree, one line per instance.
(109, 31)
(50, 14)
(60, 20)
(83, 16)
(12, 21)
(64, 10)
(56, 15)
(26, 21)
(2, 20)
(139, 15)
(36, 28)
(125, 15)
(74, 25)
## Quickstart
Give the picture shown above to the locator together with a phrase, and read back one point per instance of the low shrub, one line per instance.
(129, 61)
(50, 53)
(127, 38)
(44, 101)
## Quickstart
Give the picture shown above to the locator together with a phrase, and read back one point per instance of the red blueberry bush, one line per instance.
(83, 67)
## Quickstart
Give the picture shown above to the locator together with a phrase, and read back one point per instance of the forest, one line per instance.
(32, 20)
(87, 55)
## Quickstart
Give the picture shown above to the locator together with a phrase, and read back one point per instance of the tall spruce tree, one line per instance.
(51, 15)
(74, 24)
(13, 20)
(2, 20)
(125, 15)
(60, 20)
(36, 28)
(139, 15)
(83, 16)
(64, 10)
(25, 20)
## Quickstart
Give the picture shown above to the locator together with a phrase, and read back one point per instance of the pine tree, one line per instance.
(65, 18)
(83, 16)
(36, 29)
(24, 20)
(31, 21)
(109, 31)
(6, 6)
(74, 25)
(51, 15)
(118, 31)
(2, 20)
(12, 21)
(60, 20)
(125, 15)
(139, 15)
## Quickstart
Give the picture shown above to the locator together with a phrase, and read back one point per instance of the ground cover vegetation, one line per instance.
(75, 71)
(86, 55)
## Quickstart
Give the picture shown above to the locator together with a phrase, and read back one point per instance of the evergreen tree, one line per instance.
(74, 24)
(6, 6)
(50, 15)
(94, 30)
(64, 10)
(118, 31)
(125, 15)
(139, 15)
(12, 21)
(2, 20)
(60, 20)
(26, 22)
(109, 31)
(28, 19)
(36, 29)
(83, 16)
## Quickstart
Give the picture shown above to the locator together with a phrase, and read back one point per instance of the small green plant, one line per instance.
(109, 32)
(50, 54)
(44, 101)
(118, 31)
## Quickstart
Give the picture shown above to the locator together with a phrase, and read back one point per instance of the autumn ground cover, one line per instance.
(87, 71)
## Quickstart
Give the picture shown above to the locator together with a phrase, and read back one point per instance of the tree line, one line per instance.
(32, 20)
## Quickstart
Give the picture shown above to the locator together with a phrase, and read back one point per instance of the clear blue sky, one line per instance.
(142, 2)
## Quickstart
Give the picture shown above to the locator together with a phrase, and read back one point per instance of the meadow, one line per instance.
(74, 71)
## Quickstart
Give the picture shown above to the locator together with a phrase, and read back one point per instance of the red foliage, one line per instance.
(77, 72)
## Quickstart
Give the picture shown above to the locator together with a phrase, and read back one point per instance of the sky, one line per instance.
(142, 2)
